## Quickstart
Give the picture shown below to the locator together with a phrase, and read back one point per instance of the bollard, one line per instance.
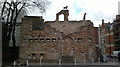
(27, 62)
(99, 59)
(92, 60)
(40, 61)
(75, 61)
(14, 63)
(41, 58)
(59, 62)
(84, 60)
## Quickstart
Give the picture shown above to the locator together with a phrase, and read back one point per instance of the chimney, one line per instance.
(102, 21)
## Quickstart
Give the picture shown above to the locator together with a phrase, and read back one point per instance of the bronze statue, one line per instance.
(84, 16)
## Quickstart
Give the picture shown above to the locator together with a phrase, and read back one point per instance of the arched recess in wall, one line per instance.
(61, 17)
(68, 47)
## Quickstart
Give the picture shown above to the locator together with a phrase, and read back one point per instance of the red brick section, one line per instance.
(108, 37)
(86, 33)
(96, 35)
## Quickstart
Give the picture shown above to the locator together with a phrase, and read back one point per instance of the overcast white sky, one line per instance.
(96, 10)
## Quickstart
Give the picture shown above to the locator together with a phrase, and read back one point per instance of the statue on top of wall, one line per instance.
(84, 17)
(65, 7)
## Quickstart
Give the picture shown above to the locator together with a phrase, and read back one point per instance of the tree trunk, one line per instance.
(3, 10)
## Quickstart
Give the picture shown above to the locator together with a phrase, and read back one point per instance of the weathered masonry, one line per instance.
(66, 40)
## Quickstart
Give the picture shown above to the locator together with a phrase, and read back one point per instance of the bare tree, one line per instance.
(10, 12)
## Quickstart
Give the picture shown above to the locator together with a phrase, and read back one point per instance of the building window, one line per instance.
(79, 39)
(41, 40)
(53, 39)
(30, 31)
(25, 33)
(35, 33)
(41, 54)
(103, 30)
(103, 41)
(48, 40)
(34, 55)
(36, 39)
(38, 25)
(90, 40)
(30, 39)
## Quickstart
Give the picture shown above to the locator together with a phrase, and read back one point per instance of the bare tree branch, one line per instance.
(11, 11)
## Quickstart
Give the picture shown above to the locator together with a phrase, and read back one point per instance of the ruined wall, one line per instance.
(56, 40)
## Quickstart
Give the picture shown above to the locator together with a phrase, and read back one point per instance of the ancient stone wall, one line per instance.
(57, 40)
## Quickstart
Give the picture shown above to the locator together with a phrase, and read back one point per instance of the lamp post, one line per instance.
(101, 48)
(14, 63)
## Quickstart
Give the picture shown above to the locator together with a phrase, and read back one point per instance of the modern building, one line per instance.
(106, 38)
(10, 52)
(119, 7)
(116, 29)
(51, 41)
(0, 43)
(17, 35)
